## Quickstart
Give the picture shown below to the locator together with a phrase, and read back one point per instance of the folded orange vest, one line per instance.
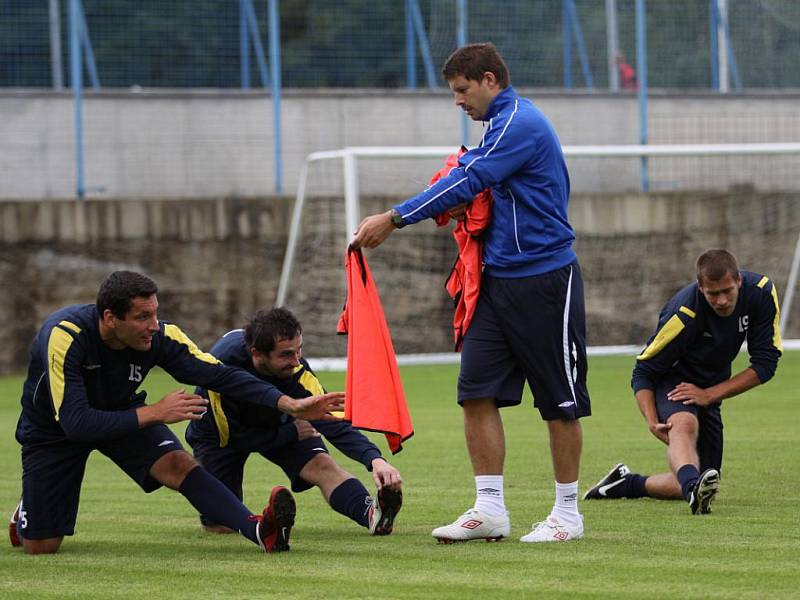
(374, 397)
(464, 282)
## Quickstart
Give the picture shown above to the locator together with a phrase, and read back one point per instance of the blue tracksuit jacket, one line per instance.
(520, 159)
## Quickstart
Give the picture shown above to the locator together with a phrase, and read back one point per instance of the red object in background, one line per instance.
(374, 396)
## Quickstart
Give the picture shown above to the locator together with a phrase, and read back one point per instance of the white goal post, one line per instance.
(350, 158)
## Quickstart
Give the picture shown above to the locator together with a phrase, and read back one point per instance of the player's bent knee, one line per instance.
(172, 468)
(46, 546)
(683, 422)
(322, 468)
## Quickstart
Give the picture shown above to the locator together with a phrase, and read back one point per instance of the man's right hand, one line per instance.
(372, 231)
(174, 407)
(661, 431)
(313, 408)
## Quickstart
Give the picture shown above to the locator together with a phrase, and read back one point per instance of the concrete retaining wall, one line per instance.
(218, 260)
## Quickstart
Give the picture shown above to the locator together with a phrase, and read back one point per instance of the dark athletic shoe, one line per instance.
(13, 534)
(383, 511)
(612, 479)
(277, 520)
(703, 492)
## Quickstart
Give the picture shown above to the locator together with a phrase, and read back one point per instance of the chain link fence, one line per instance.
(357, 43)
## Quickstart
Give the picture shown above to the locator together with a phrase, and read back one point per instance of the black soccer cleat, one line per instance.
(384, 509)
(612, 479)
(277, 520)
(703, 492)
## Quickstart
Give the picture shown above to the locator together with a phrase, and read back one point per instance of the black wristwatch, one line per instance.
(397, 220)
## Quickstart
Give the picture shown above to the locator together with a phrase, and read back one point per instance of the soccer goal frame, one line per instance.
(350, 157)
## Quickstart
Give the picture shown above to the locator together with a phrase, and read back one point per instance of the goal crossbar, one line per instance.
(350, 155)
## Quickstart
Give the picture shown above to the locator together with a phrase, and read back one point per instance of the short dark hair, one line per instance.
(119, 289)
(715, 263)
(473, 60)
(269, 326)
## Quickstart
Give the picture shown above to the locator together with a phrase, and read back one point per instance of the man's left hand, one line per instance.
(688, 393)
(385, 475)
(305, 430)
(373, 230)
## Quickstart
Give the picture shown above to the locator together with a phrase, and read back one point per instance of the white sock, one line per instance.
(489, 495)
(566, 507)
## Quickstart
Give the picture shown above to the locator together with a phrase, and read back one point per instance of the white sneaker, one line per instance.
(552, 530)
(474, 525)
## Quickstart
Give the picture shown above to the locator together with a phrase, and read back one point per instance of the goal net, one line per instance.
(636, 249)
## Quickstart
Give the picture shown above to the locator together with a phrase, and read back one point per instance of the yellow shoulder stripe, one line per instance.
(311, 383)
(666, 334)
(776, 323)
(57, 347)
(219, 418)
(763, 281)
(174, 333)
(688, 311)
(71, 326)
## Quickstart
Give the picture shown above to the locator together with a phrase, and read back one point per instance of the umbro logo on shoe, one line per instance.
(471, 524)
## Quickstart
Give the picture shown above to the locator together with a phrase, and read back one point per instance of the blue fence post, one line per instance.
(424, 46)
(86, 41)
(462, 41)
(737, 81)
(578, 35)
(411, 53)
(275, 64)
(244, 47)
(76, 80)
(255, 37)
(641, 67)
(713, 43)
(565, 38)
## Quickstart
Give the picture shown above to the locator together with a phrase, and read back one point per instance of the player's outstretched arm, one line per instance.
(373, 231)
(313, 408)
(174, 407)
(385, 475)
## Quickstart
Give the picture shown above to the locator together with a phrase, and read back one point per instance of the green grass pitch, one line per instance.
(132, 545)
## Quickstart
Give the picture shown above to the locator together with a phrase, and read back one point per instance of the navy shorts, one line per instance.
(530, 328)
(709, 418)
(227, 464)
(52, 474)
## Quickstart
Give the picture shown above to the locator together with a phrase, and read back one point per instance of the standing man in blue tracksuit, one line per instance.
(529, 322)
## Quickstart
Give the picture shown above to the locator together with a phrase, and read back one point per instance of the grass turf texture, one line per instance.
(130, 545)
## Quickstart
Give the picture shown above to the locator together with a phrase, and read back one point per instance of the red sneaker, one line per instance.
(13, 534)
(277, 520)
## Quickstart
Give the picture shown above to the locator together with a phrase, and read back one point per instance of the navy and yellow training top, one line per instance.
(257, 428)
(698, 346)
(79, 389)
